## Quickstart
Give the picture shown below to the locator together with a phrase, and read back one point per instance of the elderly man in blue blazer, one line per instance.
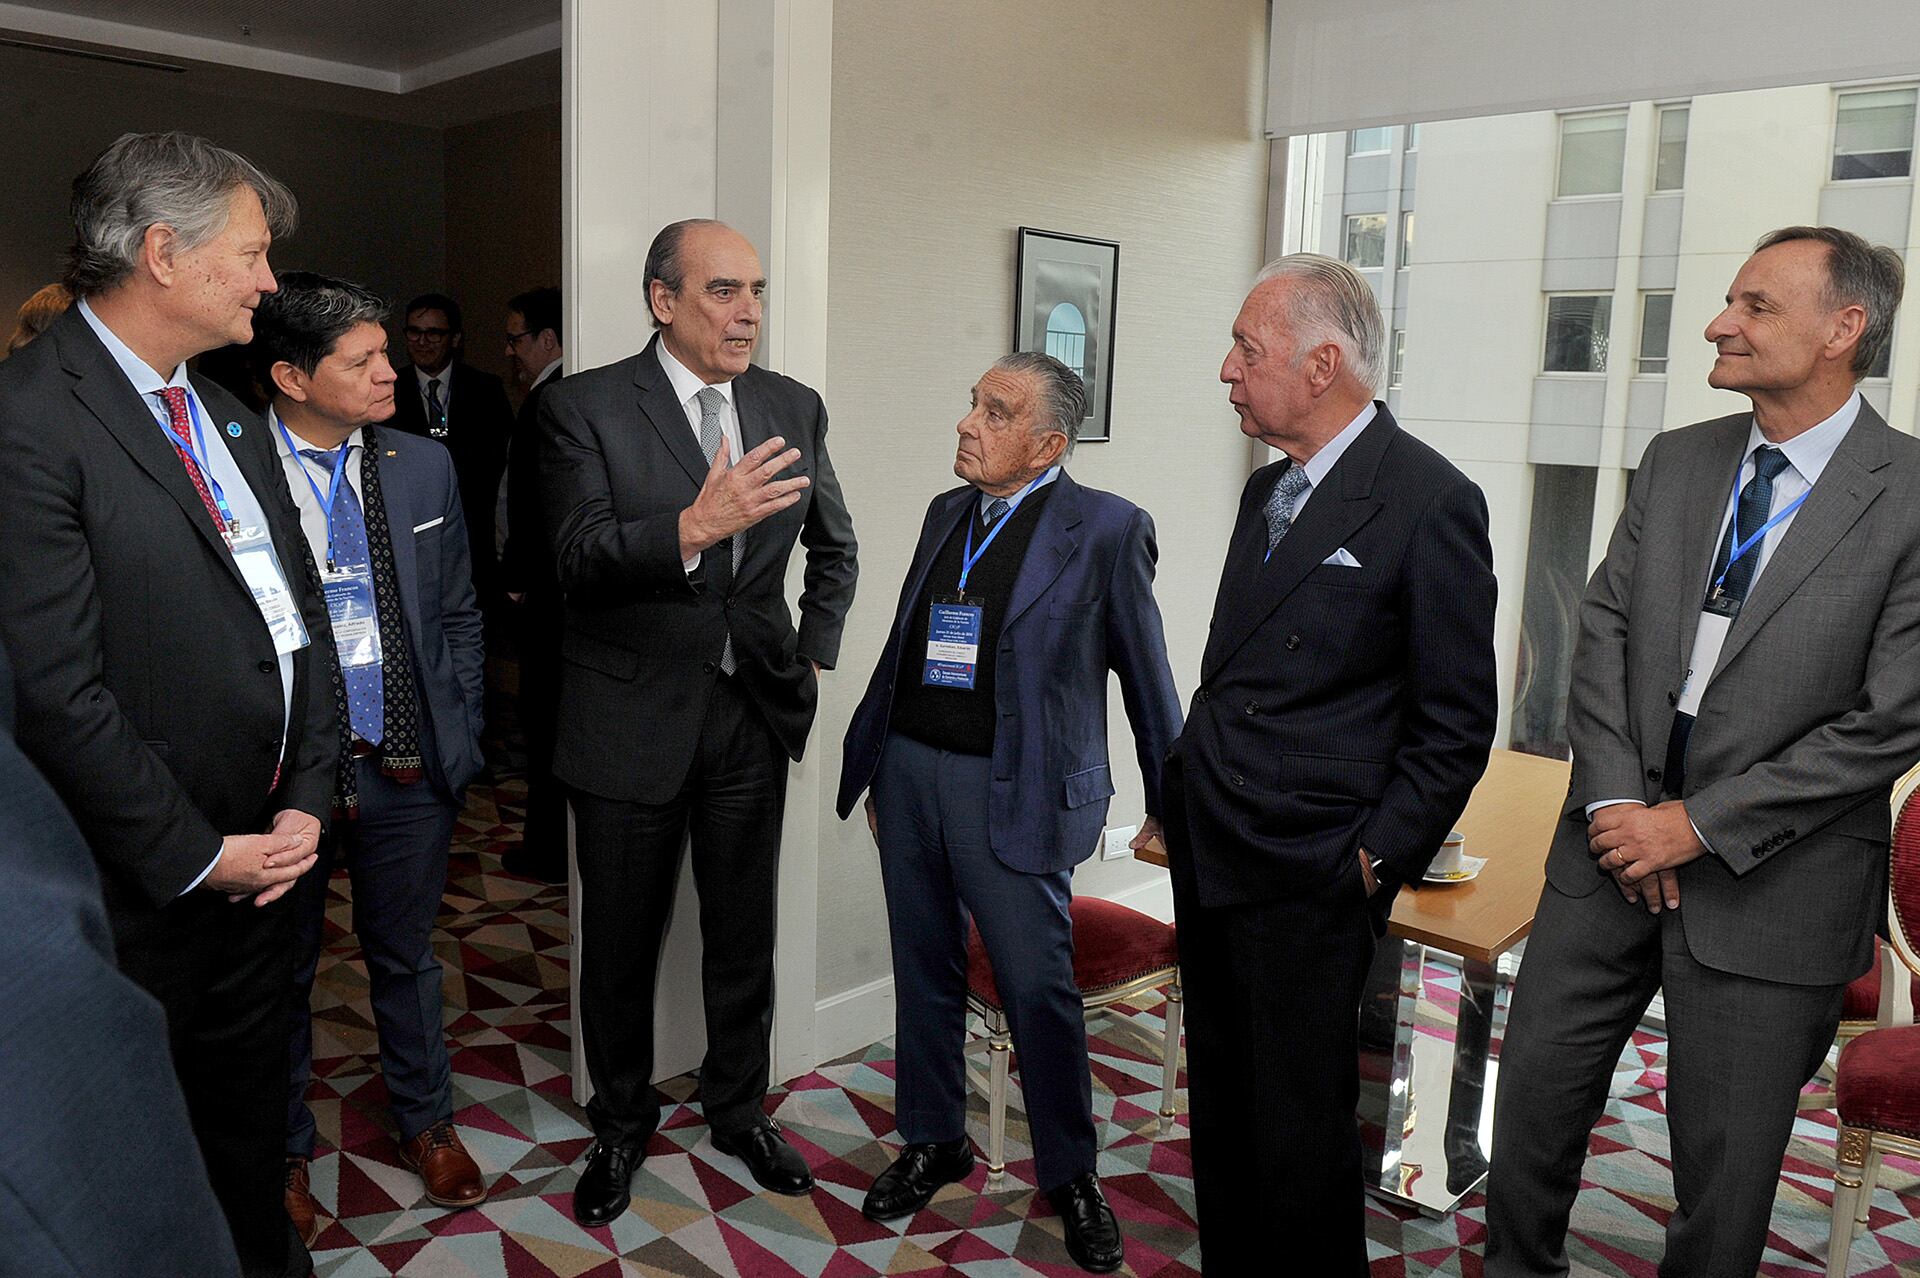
(381, 514)
(982, 744)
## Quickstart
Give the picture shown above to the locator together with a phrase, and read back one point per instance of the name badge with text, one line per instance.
(953, 642)
(259, 566)
(356, 625)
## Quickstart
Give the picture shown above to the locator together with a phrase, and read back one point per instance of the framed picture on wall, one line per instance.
(1063, 304)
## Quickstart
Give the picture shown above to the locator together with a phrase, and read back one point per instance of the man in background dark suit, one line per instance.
(381, 513)
(172, 646)
(990, 779)
(439, 396)
(685, 688)
(88, 1099)
(1345, 710)
(533, 588)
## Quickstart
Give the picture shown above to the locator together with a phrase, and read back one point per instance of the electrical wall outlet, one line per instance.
(1116, 846)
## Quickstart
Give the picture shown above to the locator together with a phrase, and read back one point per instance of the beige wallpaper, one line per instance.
(1129, 120)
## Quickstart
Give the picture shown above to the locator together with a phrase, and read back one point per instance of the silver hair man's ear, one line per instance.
(152, 179)
(1334, 304)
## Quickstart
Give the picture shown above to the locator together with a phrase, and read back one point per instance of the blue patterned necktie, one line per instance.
(1279, 507)
(1756, 503)
(995, 508)
(366, 690)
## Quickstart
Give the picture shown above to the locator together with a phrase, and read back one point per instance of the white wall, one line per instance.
(952, 126)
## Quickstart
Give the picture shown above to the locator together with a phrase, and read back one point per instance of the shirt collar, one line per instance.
(686, 382)
(1811, 450)
(1330, 452)
(444, 377)
(1013, 502)
(138, 371)
(282, 433)
(548, 371)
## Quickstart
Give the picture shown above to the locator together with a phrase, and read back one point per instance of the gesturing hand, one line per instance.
(735, 498)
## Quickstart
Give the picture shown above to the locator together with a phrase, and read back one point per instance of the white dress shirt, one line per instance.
(686, 388)
(1330, 452)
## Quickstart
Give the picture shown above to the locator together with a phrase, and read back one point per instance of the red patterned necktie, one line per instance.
(175, 398)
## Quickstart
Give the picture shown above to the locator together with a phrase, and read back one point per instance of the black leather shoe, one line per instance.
(1093, 1235)
(605, 1186)
(775, 1164)
(913, 1179)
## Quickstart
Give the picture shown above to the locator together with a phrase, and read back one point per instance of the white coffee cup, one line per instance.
(1448, 862)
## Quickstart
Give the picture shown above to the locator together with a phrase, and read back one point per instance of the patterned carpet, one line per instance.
(695, 1213)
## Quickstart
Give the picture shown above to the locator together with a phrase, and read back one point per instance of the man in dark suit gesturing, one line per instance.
(1745, 692)
(1345, 709)
(169, 634)
(989, 775)
(381, 514)
(685, 688)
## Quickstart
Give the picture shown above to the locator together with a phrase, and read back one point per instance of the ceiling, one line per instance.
(431, 64)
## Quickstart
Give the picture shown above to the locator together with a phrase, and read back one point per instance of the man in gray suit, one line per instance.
(1746, 688)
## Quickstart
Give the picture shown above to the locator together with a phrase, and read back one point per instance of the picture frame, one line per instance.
(1065, 288)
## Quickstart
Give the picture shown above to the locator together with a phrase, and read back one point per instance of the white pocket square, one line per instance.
(1341, 558)
(435, 523)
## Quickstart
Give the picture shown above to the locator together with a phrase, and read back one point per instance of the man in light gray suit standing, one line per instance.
(1746, 688)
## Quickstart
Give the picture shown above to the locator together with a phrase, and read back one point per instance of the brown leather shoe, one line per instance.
(301, 1209)
(452, 1177)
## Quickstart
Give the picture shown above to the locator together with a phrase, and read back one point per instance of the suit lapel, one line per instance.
(1052, 546)
(1846, 488)
(1703, 524)
(663, 411)
(959, 505)
(396, 494)
(110, 397)
(1341, 504)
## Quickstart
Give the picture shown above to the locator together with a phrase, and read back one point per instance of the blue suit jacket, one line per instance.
(1082, 604)
(435, 570)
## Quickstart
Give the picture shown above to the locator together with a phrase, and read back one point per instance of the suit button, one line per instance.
(1789, 833)
(267, 667)
(1653, 774)
(1293, 641)
(708, 667)
(1758, 853)
(1253, 707)
(1673, 698)
(728, 605)
(1237, 779)
(1201, 696)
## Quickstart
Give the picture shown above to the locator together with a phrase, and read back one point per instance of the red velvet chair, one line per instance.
(1118, 953)
(1877, 1082)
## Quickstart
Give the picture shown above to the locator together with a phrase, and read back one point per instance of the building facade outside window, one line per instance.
(1593, 154)
(1873, 134)
(1656, 331)
(1577, 325)
(1369, 141)
(1399, 360)
(1406, 238)
(1670, 160)
(1367, 240)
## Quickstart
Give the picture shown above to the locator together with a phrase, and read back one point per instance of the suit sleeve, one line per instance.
(1137, 651)
(136, 815)
(1451, 694)
(595, 552)
(1825, 773)
(459, 608)
(1606, 759)
(832, 556)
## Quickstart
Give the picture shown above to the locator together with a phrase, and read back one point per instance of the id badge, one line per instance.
(259, 566)
(1708, 640)
(356, 624)
(953, 642)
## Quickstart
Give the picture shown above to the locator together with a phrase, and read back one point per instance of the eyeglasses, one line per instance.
(416, 334)
(513, 339)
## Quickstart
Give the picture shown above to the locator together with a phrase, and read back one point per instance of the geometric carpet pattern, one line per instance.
(695, 1213)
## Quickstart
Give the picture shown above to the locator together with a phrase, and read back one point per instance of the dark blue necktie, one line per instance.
(366, 690)
(1756, 504)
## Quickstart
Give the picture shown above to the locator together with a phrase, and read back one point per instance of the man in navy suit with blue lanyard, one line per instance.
(381, 511)
(983, 737)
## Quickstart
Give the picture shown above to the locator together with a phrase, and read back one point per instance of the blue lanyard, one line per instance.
(332, 494)
(1738, 547)
(196, 451)
(972, 556)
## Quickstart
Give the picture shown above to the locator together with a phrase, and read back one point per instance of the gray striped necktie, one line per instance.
(712, 435)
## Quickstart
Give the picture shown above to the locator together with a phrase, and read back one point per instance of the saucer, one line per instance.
(1469, 870)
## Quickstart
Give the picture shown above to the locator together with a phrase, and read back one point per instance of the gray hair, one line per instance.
(1063, 396)
(1870, 276)
(1333, 304)
(663, 259)
(154, 179)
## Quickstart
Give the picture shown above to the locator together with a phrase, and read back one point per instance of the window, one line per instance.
(1406, 238)
(1873, 134)
(1577, 332)
(1593, 151)
(1556, 577)
(1067, 337)
(1670, 160)
(1413, 137)
(1367, 240)
(1398, 364)
(1368, 141)
(1656, 326)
